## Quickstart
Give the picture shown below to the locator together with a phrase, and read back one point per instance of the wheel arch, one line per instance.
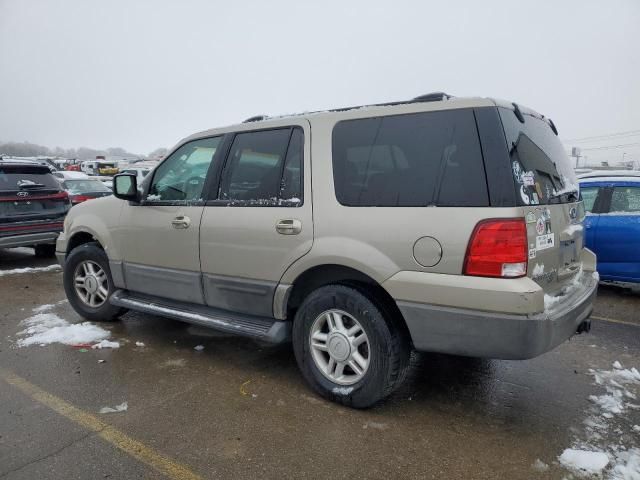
(80, 238)
(336, 274)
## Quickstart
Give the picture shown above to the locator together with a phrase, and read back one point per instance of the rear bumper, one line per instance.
(495, 335)
(28, 239)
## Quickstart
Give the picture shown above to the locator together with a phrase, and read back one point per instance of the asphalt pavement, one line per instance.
(238, 409)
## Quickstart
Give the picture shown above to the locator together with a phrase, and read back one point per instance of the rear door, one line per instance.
(547, 188)
(260, 218)
(618, 234)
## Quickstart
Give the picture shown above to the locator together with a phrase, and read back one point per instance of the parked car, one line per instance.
(81, 190)
(439, 224)
(68, 175)
(32, 206)
(99, 167)
(612, 202)
(140, 173)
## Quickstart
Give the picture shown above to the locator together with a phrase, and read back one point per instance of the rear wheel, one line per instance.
(88, 283)
(46, 250)
(348, 348)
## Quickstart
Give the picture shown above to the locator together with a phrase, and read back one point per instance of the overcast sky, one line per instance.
(143, 74)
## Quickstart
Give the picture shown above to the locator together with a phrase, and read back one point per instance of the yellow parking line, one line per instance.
(615, 320)
(136, 449)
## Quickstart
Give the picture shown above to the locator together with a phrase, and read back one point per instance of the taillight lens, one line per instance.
(498, 248)
(78, 198)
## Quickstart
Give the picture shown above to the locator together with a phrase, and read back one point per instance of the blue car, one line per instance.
(612, 204)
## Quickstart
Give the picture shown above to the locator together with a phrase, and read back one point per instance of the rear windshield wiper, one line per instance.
(571, 196)
(31, 185)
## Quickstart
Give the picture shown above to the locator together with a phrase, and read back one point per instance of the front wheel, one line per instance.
(348, 348)
(88, 283)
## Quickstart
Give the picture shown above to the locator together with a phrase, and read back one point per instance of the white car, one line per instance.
(139, 172)
(70, 175)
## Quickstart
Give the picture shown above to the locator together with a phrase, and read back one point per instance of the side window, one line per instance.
(181, 176)
(259, 169)
(625, 200)
(589, 195)
(291, 184)
(419, 159)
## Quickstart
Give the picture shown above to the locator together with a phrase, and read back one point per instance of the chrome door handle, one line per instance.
(289, 226)
(181, 222)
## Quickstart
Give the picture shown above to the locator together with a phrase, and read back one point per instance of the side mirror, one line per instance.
(125, 187)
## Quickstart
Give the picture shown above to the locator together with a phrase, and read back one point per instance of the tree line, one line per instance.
(27, 149)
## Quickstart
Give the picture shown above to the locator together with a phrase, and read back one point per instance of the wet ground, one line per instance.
(241, 410)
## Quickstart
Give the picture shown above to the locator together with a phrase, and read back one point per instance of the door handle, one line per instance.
(289, 226)
(181, 222)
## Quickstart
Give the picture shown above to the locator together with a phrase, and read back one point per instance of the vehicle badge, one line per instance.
(22, 194)
(573, 213)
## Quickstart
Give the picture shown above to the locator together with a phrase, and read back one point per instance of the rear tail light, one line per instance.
(78, 198)
(498, 248)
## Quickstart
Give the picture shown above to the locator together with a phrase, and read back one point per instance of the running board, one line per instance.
(261, 328)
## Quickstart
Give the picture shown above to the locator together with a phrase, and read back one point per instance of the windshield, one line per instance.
(541, 168)
(84, 186)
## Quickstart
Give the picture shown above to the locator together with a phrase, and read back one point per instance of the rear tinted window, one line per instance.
(418, 159)
(541, 168)
(16, 177)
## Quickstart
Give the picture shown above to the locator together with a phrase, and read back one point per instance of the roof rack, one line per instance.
(432, 97)
(256, 118)
(428, 97)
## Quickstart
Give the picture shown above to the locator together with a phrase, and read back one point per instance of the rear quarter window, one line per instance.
(412, 160)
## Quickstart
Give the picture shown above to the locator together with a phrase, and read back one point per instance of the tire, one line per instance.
(45, 250)
(91, 255)
(388, 348)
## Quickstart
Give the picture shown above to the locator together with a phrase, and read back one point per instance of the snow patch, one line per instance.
(47, 328)
(581, 278)
(48, 306)
(584, 461)
(118, 408)
(106, 344)
(342, 390)
(538, 270)
(540, 466)
(17, 271)
(607, 420)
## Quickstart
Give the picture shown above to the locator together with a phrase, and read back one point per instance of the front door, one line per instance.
(260, 221)
(160, 237)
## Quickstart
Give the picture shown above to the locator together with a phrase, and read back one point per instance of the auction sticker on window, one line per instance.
(545, 241)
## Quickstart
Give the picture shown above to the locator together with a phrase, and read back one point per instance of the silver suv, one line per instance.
(439, 224)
